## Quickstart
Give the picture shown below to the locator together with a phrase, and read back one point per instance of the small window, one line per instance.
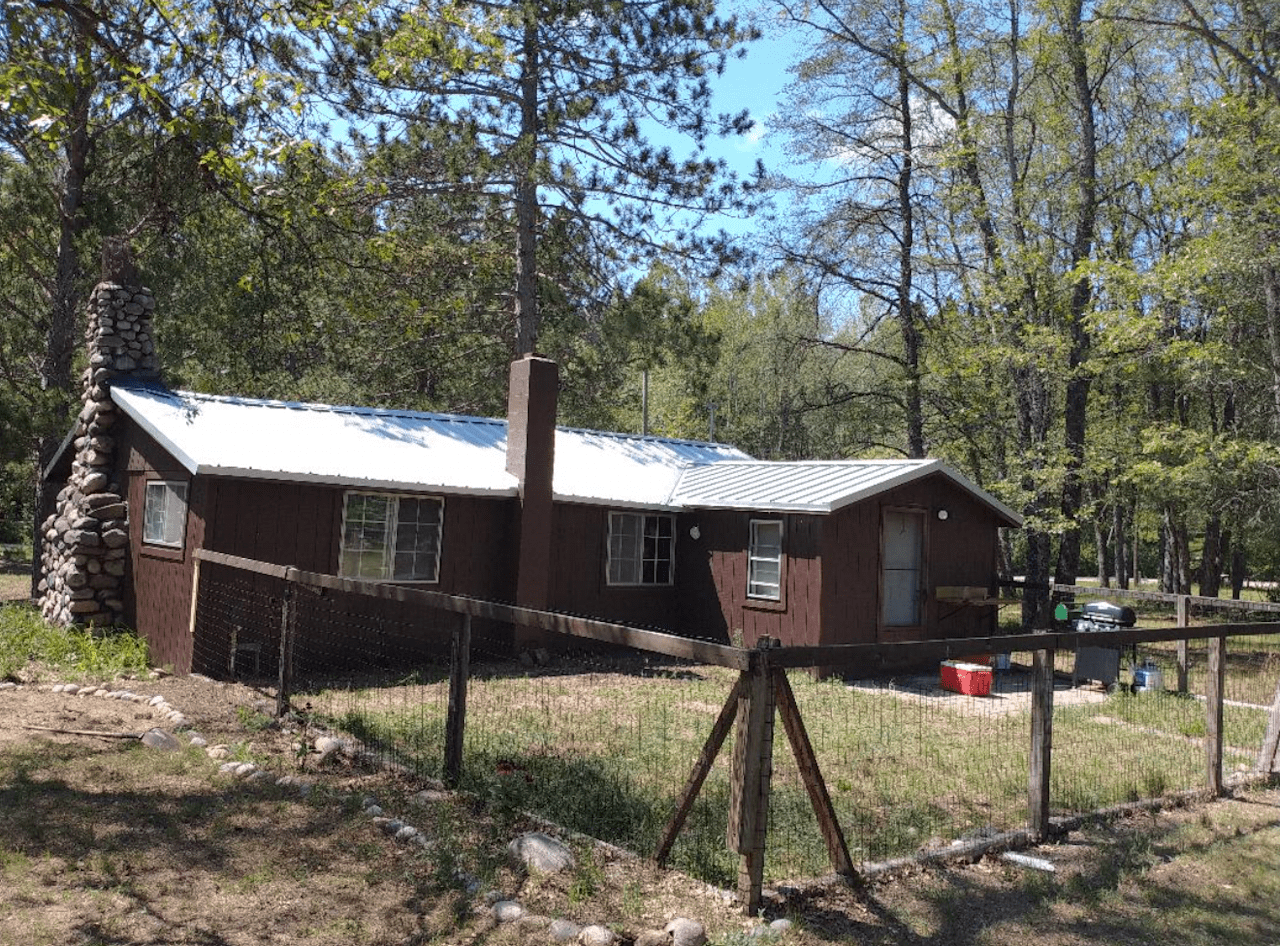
(764, 560)
(164, 513)
(391, 538)
(641, 547)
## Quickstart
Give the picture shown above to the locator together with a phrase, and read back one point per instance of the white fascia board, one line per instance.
(657, 506)
(352, 482)
(188, 462)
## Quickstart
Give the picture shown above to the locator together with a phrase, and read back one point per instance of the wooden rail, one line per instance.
(670, 645)
(1199, 601)
(762, 692)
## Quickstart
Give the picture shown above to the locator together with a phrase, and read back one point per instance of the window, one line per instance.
(903, 568)
(164, 513)
(392, 538)
(640, 548)
(764, 560)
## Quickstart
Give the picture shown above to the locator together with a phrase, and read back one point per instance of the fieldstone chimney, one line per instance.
(531, 437)
(86, 539)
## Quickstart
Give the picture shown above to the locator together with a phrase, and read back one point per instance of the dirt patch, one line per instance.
(1010, 693)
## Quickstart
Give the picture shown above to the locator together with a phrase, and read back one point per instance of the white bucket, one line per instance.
(1148, 678)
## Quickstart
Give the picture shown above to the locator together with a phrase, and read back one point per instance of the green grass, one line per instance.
(27, 640)
(608, 754)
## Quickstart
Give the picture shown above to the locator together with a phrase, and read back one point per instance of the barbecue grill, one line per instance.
(1101, 663)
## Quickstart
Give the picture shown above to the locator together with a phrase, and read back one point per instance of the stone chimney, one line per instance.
(86, 539)
(531, 433)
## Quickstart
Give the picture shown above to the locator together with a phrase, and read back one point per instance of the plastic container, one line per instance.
(969, 679)
(1148, 678)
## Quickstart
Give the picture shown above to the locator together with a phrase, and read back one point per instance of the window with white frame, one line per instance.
(764, 560)
(164, 513)
(390, 537)
(641, 548)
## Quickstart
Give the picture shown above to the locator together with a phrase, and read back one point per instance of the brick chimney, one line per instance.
(86, 539)
(531, 432)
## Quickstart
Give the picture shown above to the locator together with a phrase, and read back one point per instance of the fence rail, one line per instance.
(761, 690)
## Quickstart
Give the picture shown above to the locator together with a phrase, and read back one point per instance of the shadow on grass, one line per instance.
(1120, 897)
(82, 821)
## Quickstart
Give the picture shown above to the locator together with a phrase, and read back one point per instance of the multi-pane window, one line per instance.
(641, 547)
(764, 560)
(903, 569)
(392, 538)
(164, 513)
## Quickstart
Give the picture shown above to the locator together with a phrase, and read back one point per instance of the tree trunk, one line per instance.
(1211, 560)
(1237, 569)
(1118, 536)
(1078, 380)
(64, 306)
(526, 194)
(1101, 545)
(907, 314)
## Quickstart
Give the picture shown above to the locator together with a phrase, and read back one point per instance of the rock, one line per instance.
(199, 741)
(327, 744)
(507, 911)
(596, 936)
(562, 931)
(541, 852)
(374, 811)
(428, 797)
(113, 538)
(244, 768)
(781, 925)
(685, 932)
(653, 938)
(217, 752)
(407, 833)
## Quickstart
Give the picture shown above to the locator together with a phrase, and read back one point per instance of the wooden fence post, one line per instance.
(1183, 607)
(750, 782)
(701, 769)
(456, 725)
(811, 775)
(1041, 742)
(1269, 756)
(288, 623)
(1213, 712)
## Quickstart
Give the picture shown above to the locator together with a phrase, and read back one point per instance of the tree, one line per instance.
(97, 105)
(550, 105)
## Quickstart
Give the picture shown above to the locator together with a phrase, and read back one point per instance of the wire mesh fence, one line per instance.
(602, 740)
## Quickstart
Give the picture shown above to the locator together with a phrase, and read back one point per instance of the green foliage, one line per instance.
(26, 638)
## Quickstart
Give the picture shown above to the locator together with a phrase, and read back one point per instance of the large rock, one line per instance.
(159, 739)
(541, 852)
(685, 932)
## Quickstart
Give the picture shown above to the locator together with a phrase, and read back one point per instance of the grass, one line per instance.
(607, 754)
(28, 641)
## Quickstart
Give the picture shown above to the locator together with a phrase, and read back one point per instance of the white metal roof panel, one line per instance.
(594, 466)
(387, 449)
(353, 446)
(810, 486)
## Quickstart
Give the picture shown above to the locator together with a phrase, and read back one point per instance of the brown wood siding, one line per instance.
(579, 584)
(713, 580)
(958, 551)
(158, 580)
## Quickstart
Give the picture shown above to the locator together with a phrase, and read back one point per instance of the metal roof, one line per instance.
(319, 443)
(390, 449)
(374, 448)
(811, 486)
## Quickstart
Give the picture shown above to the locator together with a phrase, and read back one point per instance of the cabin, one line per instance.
(695, 538)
